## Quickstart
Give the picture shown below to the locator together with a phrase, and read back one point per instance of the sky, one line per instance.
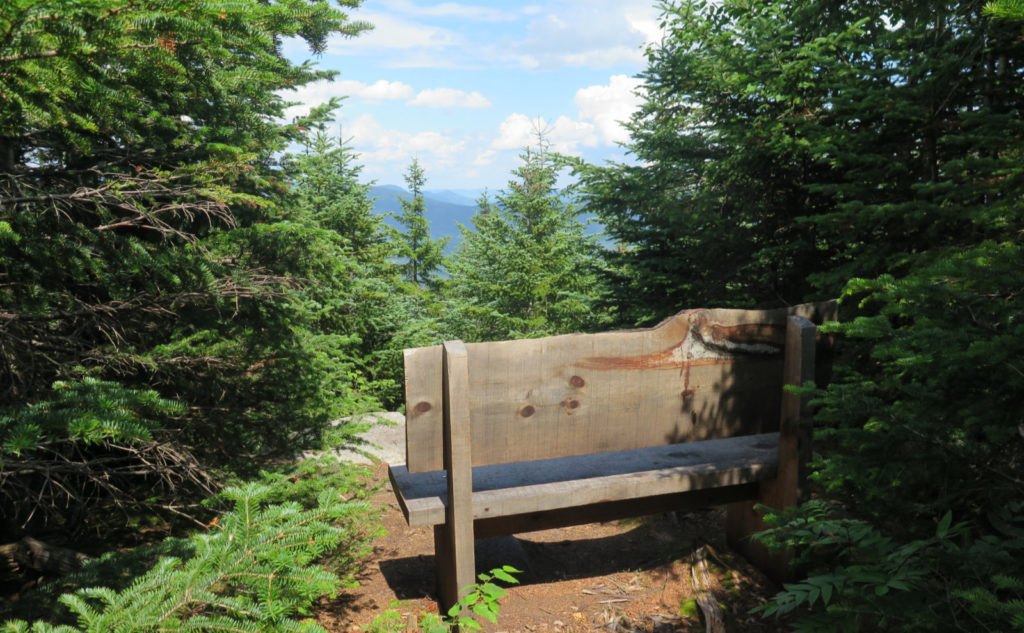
(462, 87)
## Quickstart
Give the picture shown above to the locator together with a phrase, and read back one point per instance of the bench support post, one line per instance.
(453, 540)
(789, 487)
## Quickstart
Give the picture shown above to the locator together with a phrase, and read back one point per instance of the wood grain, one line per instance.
(787, 488)
(568, 482)
(453, 541)
(701, 374)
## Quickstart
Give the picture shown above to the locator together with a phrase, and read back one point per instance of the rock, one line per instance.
(384, 441)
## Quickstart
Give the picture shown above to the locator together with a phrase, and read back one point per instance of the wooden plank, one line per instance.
(789, 486)
(453, 543)
(423, 415)
(613, 510)
(569, 482)
(701, 374)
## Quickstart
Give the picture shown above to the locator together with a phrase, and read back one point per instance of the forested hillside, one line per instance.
(193, 287)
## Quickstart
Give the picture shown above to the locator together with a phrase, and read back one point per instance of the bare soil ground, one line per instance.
(618, 577)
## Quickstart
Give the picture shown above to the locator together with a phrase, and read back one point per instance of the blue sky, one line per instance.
(462, 86)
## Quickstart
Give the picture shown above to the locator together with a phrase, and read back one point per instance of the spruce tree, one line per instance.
(423, 256)
(140, 198)
(526, 268)
(325, 186)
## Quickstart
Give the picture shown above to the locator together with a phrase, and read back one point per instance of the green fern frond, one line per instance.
(239, 578)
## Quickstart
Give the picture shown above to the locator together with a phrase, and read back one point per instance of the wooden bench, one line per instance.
(513, 436)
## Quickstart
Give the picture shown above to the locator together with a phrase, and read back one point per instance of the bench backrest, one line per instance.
(701, 374)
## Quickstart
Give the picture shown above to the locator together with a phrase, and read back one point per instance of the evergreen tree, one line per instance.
(791, 150)
(138, 189)
(325, 186)
(371, 304)
(526, 268)
(423, 256)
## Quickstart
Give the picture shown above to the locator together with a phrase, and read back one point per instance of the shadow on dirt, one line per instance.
(653, 542)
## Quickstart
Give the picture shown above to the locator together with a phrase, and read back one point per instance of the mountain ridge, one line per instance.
(445, 209)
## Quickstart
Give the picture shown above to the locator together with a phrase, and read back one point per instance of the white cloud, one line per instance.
(451, 10)
(377, 144)
(390, 33)
(602, 57)
(644, 21)
(382, 90)
(601, 108)
(517, 131)
(567, 33)
(449, 98)
(608, 105)
(485, 157)
(564, 134)
(320, 92)
(584, 33)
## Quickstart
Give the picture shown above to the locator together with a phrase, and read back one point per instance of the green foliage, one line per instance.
(1002, 601)
(423, 256)
(150, 237)
(923, 422)
(481, 600)
(872, 582)
(861, 579)
(526, 268)
(707, 214)
(791, 151)
(325, 187)
(254, 571)
(827, 146)
(302, 482)
(88, 456)
(940, 388)
(1012, 9)
(89, 410)
(366, 298)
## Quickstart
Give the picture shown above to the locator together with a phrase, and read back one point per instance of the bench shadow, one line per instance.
(647, 544)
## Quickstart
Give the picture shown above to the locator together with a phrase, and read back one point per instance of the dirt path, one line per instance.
(620, 577)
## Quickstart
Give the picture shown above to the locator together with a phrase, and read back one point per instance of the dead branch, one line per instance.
(142, 200)
(713, 620)
(66, 481)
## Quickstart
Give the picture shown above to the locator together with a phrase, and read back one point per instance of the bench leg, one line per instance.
(453, 540)
(790, 484)
(456, 566)
(741, 522)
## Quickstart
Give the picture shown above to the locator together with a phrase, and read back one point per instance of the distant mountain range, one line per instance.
(445, 209)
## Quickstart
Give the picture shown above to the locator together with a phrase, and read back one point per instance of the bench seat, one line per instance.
(503, 490)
